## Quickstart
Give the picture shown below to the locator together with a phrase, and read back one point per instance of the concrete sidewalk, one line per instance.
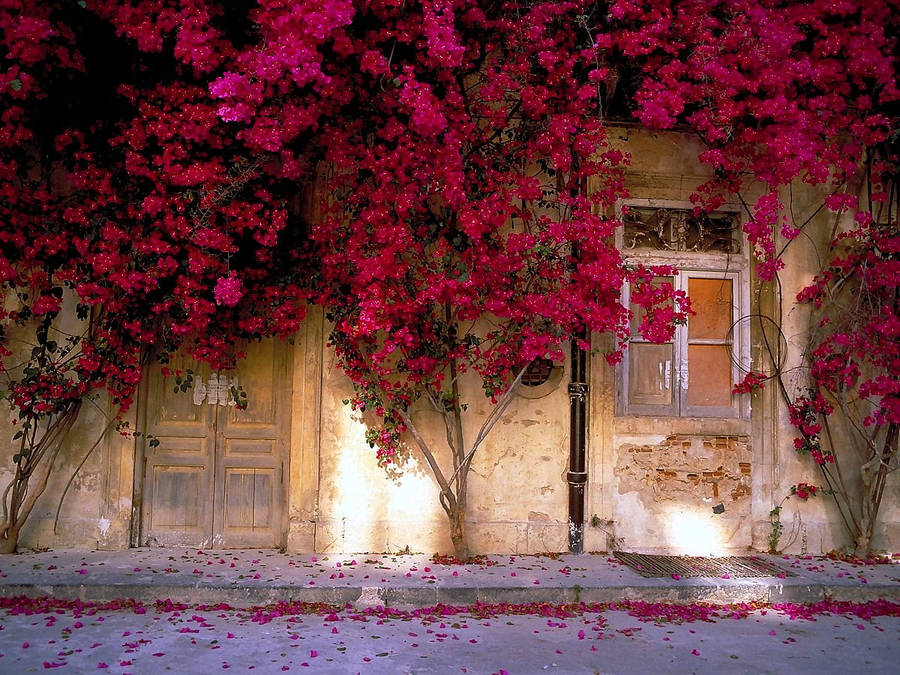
(248, 577)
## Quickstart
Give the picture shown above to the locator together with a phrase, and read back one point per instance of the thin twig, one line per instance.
(77, 469)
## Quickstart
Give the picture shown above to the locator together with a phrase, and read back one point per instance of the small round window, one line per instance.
(537, 372)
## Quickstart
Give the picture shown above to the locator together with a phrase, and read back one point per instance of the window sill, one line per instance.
(705, 426)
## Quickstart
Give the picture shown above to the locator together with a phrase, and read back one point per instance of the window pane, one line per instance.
(637, 312)
(711, 300)
(650, 374)
(709, 375)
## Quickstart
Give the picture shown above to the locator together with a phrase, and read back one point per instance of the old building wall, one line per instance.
(654, 482)
(814, 525)
(96, 509)
(674, 484)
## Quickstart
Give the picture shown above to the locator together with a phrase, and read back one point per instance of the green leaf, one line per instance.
(42, 330)
(16, 84)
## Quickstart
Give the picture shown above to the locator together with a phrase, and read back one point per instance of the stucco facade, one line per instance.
(676, 483)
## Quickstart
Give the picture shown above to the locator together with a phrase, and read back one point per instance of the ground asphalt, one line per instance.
(195, 612)
(251, 577)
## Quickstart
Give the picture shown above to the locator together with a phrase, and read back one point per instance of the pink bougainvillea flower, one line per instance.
(229, 290)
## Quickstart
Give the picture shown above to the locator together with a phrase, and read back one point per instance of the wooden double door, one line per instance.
(217, 476)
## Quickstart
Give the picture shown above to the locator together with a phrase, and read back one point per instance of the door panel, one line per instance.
(181, 510)
(249, 468)
(262, 375)
(248, 500)
(178, 473)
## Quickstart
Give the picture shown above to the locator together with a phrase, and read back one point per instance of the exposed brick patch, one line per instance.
(687, 466)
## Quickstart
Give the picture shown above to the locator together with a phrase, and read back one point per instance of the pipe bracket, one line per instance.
(576, 477)
(578, 391)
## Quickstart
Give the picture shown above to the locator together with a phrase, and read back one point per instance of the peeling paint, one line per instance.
(697, 467)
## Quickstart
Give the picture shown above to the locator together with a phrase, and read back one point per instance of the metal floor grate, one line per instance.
(698, 566)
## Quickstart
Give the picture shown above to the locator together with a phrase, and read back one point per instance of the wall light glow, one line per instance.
(372, 512)
(691, 532)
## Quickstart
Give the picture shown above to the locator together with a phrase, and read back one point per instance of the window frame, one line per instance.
(691, 264)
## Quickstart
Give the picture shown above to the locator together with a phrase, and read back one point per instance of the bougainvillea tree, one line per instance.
(455, 236)
(150, 152)
(456, 139)
(440, 212)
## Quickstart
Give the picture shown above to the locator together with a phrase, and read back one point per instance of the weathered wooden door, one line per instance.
(217, 476)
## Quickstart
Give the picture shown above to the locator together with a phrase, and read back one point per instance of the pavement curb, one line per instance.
(247, 578)
(417, 597)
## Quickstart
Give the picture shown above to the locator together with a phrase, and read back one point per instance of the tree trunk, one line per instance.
(861, 546)
(458, 533)
(9, 533)
(873, 491)
(9, 543)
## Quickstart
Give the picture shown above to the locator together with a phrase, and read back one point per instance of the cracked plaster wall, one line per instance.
(683, 482)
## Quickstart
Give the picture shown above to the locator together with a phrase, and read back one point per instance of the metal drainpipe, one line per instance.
(577, 473)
